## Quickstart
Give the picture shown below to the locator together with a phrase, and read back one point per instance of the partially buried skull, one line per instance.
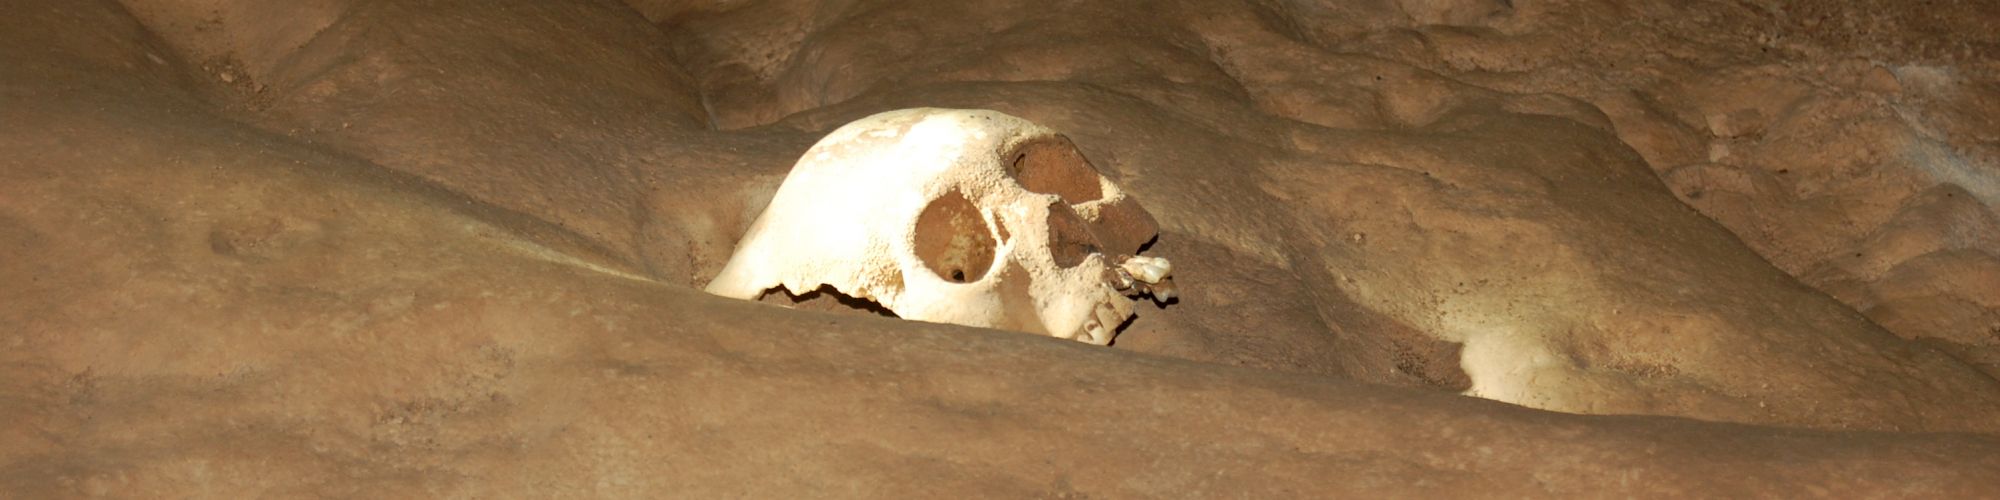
(971, 217)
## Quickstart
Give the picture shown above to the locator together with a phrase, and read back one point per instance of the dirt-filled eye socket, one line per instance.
(953, 240)
(1052, 165)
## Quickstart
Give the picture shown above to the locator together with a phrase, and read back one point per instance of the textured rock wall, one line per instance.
(436, 248)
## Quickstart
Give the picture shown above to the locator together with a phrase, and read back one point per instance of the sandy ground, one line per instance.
(403, 248)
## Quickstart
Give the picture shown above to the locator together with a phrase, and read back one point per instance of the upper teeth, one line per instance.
(1148, 269)
(1093, 331)
(1163, 291)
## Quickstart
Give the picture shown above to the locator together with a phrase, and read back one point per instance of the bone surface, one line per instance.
(969, 217)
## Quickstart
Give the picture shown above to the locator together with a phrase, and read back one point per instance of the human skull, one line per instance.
(971, 217)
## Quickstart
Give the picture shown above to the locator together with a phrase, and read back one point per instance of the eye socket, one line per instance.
(952, 240)
(1052, 165)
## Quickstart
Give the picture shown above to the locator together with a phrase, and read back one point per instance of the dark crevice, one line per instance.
(825, 298)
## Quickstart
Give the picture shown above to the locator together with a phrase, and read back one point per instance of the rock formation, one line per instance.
(456, 248)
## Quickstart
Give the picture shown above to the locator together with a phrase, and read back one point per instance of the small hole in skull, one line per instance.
(1054, 166)
(952, 239)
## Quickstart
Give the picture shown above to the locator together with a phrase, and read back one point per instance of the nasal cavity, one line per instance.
(1070, 239)
(1052, 165)
(953, 240)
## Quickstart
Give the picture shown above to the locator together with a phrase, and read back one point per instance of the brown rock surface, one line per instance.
(451, 248)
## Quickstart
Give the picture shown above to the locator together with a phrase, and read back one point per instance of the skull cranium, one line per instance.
(970, 217)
